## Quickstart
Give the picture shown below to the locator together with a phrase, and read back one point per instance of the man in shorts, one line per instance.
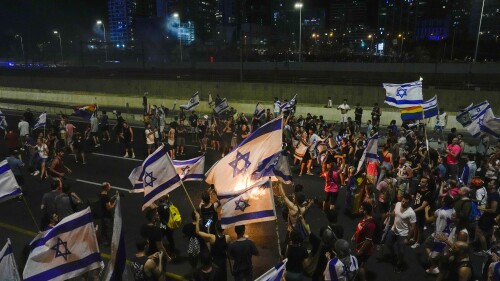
(344, 109)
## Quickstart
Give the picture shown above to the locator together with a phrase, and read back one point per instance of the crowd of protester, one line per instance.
(443, 200)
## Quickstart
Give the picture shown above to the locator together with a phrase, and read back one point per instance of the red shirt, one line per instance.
(455, 149)
(365, 230)
(11, 140)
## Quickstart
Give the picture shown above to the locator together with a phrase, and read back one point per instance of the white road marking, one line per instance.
(99, 184)
(117, 157)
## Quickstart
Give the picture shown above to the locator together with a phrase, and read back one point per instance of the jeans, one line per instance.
(386, 166)
(396, 246)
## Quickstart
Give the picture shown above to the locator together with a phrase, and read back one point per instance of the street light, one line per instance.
(402, 42)
(176, 15)
(299, 6)
(478, 32)
(371, 37)
(60, 44)
(99, 22)
(22, 45)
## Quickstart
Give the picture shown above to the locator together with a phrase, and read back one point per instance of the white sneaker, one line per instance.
(414, 246)
(133, 155)
(434, 271)
(36, 173)
(126, 155)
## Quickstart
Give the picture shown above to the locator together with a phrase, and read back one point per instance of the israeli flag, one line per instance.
(259, 110)
(491, 126)
(192, 103)
(403, 95)
(158, 175)
(233, 172)
(135, 179)
(3, 121)
(41, 121)
(9, 188)
(8, 267)
(430, 108)
(115, 269)
(370, 153)
(275, 273)
(66, 251)
(472, 118)
(192, 169)
(221, 107)
(286, 106)
(251, 205)
(276, 166)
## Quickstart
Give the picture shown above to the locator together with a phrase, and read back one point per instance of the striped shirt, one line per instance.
(336, 270)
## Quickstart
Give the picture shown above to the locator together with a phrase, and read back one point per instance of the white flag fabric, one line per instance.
(188, 170)
(370, 153)
(192, 103)
(221, 107)
(403, 95)
(491, 126)
(41, 121)
(8, 267)
(430, 108)
(115, 268)
(159, 176)
(232, 173)
(192, 169)
(210, 101)
(3, 121)
(471, 118)
(275, 273)
(276, 166)
(254, 204)
(8, 184)
(286, 106)
(66, 251)
(259, 110)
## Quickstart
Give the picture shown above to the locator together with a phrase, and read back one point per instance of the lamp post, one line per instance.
(176, 15)
(478, 32)
(299, 6)
(371, 46)
(60, 44)
(22, 45)
(99, 22)
(402, 42)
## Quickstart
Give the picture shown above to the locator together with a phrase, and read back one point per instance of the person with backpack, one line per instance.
(195, 242)
(363, 238)
(170, 220)
(152, 232)
(486, 222)
(342, 266)
(331, 186)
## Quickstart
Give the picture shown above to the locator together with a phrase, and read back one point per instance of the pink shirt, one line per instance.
(455, 149)
(331, 182)
(69, 129)
(371, 168)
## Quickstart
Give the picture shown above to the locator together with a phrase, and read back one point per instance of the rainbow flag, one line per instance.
(85, 111)
(412, 113)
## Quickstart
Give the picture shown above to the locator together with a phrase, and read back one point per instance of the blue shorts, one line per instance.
(437, 127)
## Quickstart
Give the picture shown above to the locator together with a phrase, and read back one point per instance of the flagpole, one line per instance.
(425, 134)
(276, 218)
(31, 214)
(187, 194)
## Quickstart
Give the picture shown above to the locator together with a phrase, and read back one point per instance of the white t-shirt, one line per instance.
(42, 150)
(481, 196)
(277, 105)
(336, 270)
(24, 128)
(443, 220)
(403, 220)
(150, 138)
(441, 119)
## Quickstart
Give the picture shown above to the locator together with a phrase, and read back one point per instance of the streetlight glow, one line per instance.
(99, 22)
(299, 6)
(60, 44)
(176, 15)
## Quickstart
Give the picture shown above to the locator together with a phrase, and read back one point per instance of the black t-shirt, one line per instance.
(104, 200)
(153, 234)
(241, 251)
(296, 255)
(193, 120)
(358, 112)
(420, 197)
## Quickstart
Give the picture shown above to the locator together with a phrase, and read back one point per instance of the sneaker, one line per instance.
(309, 173)
(36, 173)
(133, 155)
(76, 161)
(126, 155)
(433, 271)
(414, 246)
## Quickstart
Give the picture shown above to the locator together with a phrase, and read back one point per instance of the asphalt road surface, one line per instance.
(107, 164)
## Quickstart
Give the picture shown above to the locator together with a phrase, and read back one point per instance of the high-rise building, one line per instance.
(121, 22)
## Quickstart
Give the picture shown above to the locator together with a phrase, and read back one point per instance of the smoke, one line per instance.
(172, 26)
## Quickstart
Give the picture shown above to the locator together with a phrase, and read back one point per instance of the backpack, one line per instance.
(193, 247)
(175, 219)
(474, 212)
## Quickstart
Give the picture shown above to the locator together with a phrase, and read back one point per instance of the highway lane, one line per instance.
(106, 164)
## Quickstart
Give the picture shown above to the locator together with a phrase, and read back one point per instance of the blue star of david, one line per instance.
(234, 163)
(401, 92)
(60, 253)
(185, 169)
(241, 204)
(149, 179)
